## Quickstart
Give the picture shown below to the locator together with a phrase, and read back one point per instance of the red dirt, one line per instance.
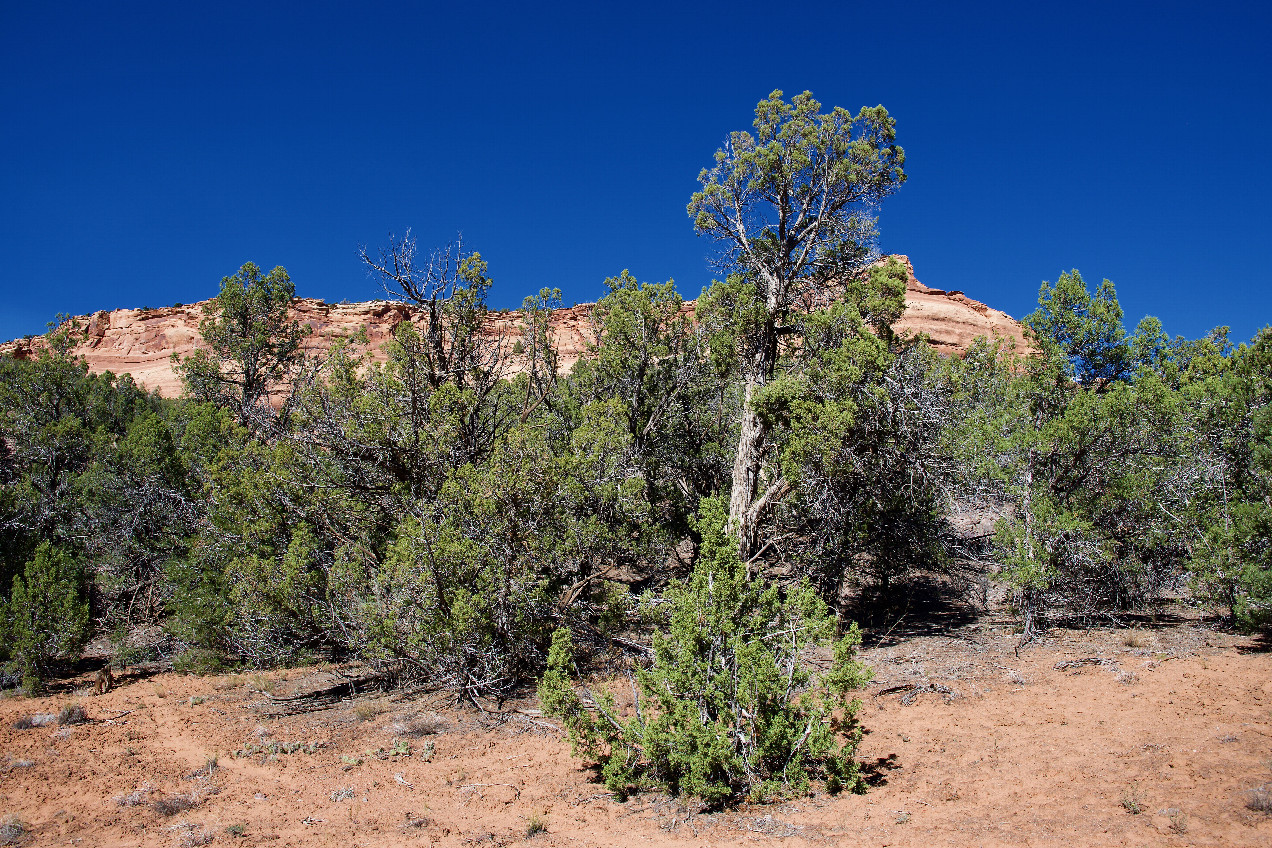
(1174, 723)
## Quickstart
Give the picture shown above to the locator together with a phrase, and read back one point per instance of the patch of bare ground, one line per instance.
(1159, 735)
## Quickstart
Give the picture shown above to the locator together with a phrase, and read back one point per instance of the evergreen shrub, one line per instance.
(727, 710)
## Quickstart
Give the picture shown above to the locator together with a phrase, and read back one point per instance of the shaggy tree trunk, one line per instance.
(743, 520)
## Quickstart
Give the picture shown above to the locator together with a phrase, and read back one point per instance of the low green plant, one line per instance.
(1132, 801)
(274, 749)
(729, 711)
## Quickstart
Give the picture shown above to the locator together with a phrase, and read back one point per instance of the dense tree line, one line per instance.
(729, 480)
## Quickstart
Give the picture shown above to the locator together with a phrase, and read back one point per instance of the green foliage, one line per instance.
(1082, 329)
(251, 347)
(653, 370)
(440, 512)
(1232, 566)
(46, 617)
(729, 711)
(822, 166)
(1112, 459)
(792, 207)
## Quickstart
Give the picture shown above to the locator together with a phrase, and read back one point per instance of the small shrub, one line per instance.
(11, 830)
(536, 825)
(426, 724)
(236, 830)
(72, 714)
(367, 710)
(1131, 801)
(47, 618)
(1179, 822)
(37, 720)
(729, 710)
(1260, 800)
(170, 805)
(344, 793)
(136, 798)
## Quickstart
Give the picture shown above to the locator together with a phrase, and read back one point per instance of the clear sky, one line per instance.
(150, 149)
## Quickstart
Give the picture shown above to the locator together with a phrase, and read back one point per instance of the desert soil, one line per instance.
(1155, 736)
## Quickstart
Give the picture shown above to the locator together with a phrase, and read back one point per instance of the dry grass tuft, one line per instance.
(170, 805)
(367, 710)
(1260, 800)
(536, 825)
(11, 831)
(258, 682)
(413, 727)
(72, 713)
(37, 720)
(193, 835)
(136, 798)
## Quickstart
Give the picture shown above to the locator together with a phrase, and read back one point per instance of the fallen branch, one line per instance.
(645, 650)
(516, 789)
(321, 698)
(1067, 664)
(913, 690)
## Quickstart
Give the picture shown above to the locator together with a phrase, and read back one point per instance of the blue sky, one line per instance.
(151, 149)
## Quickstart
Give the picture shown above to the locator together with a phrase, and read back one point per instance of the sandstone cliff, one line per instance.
(141, 342)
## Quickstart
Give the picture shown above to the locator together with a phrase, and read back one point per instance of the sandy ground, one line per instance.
(1163, 741)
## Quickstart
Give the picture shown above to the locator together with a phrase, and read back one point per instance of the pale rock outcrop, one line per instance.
(141, 342)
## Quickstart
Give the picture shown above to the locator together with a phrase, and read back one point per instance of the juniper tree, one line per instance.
(793, 207)
(251, 349)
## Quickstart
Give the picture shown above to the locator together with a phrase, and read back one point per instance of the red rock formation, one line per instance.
(141, 342)
(953, 320)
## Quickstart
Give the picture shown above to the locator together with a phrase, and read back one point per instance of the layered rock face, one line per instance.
(141, 342)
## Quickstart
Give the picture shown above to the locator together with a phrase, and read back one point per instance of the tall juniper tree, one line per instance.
(792, 205)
